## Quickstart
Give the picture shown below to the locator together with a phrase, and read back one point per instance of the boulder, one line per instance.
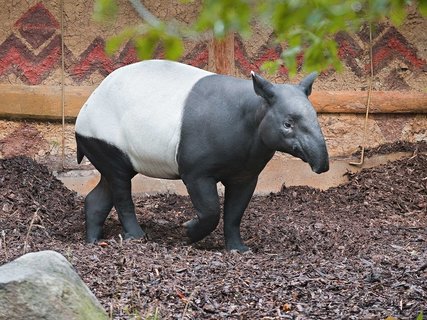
(44, 285)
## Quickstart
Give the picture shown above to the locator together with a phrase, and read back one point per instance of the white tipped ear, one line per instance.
(262, 87)
(307, 83)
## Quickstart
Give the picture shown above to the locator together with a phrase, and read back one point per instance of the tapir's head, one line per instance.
(289, 122)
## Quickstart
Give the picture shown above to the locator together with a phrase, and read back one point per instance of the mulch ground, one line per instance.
(357, 251)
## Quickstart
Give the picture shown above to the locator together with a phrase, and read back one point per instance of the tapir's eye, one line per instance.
(287, 125)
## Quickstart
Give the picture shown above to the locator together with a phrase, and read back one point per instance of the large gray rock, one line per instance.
(44, 285)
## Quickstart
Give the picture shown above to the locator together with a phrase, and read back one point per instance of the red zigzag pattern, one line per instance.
(15, 58)
(38, 28)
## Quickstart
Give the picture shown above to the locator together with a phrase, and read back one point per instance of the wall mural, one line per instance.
(33, 51)
(388, 45)
(19, 54)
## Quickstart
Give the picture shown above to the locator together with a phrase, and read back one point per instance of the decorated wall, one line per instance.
(52, 56)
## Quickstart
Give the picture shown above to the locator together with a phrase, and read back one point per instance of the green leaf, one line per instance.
(289, 57)
(306, 26)
(174, 48)
(114, 43)
(104, 10)
(397, 17)
(422, 7)
(146, 44)
(397, 12)
(224, 16)
(291, 52)
(420, 316)
(271, 67)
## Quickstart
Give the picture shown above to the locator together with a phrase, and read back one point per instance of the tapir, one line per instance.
(169, 120)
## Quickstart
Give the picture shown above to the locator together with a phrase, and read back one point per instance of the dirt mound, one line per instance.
(357, 251)
(30, 193)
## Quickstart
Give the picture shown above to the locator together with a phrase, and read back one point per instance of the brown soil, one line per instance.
(357, 251)
(398, 146)
(24, 140)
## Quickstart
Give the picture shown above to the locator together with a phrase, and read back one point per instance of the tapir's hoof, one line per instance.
(200, 229)
(134, 236)
(241, 248)
(190, 223)
(92, 241)
(189, 228)
(182, 233)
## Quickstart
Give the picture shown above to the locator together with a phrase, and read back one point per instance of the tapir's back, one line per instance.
(138, 108)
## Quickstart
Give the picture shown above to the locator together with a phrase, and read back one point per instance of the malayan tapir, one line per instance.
(169, 120)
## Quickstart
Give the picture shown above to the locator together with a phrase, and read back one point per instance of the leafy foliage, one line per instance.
(305, 26)
(104, 10)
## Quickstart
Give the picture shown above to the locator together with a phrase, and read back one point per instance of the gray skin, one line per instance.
(230, 129)
(234, 143)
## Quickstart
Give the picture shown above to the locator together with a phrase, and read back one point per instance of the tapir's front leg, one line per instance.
(237, 197)
(204, 196)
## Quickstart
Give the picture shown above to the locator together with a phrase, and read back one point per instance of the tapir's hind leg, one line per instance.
(122, 198)
(113, 189)
(98, 204)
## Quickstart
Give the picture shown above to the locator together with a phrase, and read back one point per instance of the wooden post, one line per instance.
(221, 55)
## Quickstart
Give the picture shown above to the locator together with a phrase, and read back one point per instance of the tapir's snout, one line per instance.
(323, 167)
(315, 155)
(319, 158)
(312, 149)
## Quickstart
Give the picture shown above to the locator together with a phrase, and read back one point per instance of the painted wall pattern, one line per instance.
(32, 52)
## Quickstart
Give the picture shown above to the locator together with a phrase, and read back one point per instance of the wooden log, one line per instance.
(381, 101)
(44, 102)
(41, 102)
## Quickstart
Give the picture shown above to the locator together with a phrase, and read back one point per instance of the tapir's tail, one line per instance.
(80, 153)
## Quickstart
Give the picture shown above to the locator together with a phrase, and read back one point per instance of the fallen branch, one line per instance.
(188, 301)
(35, 216)
(3, 241)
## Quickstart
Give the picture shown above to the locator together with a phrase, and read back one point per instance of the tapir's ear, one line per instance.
(307, 83)
(262, 87)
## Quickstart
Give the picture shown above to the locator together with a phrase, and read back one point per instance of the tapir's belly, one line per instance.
(139, 110)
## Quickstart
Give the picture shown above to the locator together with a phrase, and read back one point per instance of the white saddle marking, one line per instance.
(138, 108)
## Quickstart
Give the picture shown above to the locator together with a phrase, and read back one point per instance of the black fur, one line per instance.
(106, 158)
(114, 188)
